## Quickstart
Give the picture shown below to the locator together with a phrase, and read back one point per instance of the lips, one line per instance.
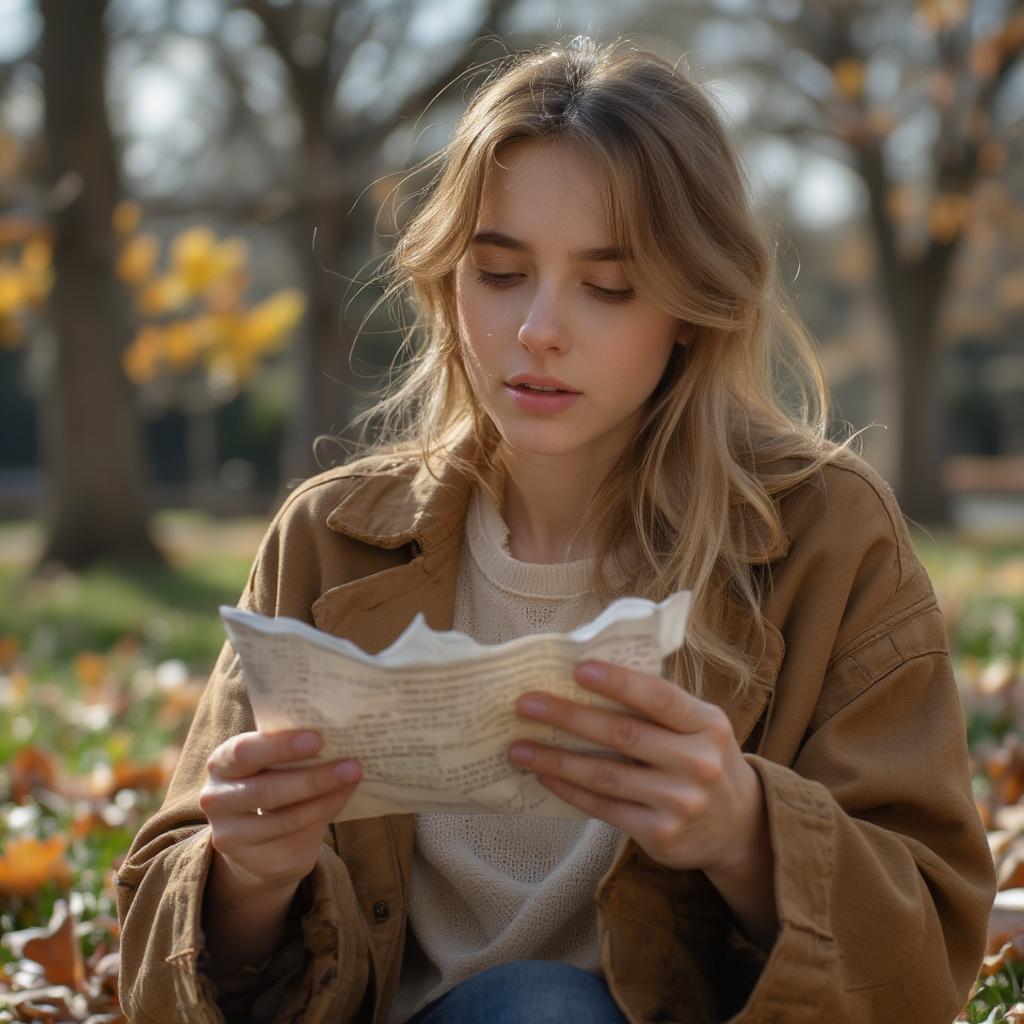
(544, 382)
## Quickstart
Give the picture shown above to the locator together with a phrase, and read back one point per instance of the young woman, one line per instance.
(793, 837)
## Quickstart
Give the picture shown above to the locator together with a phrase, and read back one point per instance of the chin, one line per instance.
(549, 439)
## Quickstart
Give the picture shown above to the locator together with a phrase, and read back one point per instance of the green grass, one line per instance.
(171, 612)
(994, 995)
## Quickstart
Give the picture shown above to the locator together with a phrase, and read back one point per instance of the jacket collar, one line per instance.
(401, 500)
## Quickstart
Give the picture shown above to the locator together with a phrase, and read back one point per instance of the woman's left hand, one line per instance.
(693, 801)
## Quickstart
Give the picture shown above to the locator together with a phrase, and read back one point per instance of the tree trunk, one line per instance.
(97, 502)
(327, 373)
(921, 445)
(920, 490)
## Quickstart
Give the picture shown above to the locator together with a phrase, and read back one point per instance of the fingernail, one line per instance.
(591, 672)
(306, 742)
(347, 771)
(522, 753)
(533, 706)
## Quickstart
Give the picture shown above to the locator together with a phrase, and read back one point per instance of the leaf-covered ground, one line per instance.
(100, 674)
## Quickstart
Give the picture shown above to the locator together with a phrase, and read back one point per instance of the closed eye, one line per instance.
(508, 280)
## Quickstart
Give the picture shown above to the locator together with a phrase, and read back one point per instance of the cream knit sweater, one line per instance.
(489, 888)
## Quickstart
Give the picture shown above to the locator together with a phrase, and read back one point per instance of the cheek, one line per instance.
(636, 353)
(482, 324)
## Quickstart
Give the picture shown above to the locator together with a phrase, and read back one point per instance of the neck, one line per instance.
(545, 498)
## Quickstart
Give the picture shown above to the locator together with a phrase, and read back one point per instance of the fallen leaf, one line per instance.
(55, 947)
(1010, 868)
(1006, 922)
(32, 768)
(29, 863)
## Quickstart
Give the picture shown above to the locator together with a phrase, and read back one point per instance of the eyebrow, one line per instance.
(601, 255)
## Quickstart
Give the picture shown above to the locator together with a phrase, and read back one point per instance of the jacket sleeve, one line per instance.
(321, 970)
(883, 876)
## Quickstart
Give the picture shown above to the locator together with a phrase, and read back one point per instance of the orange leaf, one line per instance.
(1010, 874)
(130, 774)
(55, 947)
(85, 822)
(90, 668)
(27, 864)
(30, 769)
(9, 648)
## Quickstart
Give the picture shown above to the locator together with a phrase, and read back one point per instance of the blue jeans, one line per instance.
(525, 992)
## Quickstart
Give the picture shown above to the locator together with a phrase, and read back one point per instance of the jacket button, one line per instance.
(381, 910)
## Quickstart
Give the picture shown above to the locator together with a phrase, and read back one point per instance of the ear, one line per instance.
(683, 335)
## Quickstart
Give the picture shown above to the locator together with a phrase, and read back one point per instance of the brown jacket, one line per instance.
(883, 876)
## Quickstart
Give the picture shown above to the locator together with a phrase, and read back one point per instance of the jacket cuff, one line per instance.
(303, 978)
(318, 973)
(254, 992)
(797, 973)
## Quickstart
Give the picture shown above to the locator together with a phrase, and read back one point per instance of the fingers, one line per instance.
(279, 848)
(643, 741)
(658, 699)
(251, 752)
(275, 788)
(279, 845)
(612, 780)
(630, 735)
(251, 831)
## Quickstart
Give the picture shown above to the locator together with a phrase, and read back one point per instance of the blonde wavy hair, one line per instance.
(740, 415)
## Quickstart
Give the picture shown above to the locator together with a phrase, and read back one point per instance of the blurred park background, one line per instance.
(194, 198)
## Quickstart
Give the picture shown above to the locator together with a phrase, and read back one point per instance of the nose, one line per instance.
(542, 330)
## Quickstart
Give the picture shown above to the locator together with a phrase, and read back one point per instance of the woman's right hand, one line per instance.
(275, 849)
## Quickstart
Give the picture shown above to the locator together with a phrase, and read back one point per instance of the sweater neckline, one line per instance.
(488, 536)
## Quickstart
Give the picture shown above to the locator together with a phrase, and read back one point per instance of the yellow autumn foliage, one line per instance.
(181, 346)
(12, 289)
(25, 281)
(37, 256)
(199, 261)
(127, 216)
(195, 304)
(269, 323)
(138, 259)
(230, 342)
(142, 356)
(166, 294)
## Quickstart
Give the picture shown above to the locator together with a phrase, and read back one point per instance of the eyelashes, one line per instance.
(485, 277)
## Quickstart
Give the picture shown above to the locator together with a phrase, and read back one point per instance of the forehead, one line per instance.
(548, 186)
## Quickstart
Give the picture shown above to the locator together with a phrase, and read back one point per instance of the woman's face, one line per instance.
(532, 300)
